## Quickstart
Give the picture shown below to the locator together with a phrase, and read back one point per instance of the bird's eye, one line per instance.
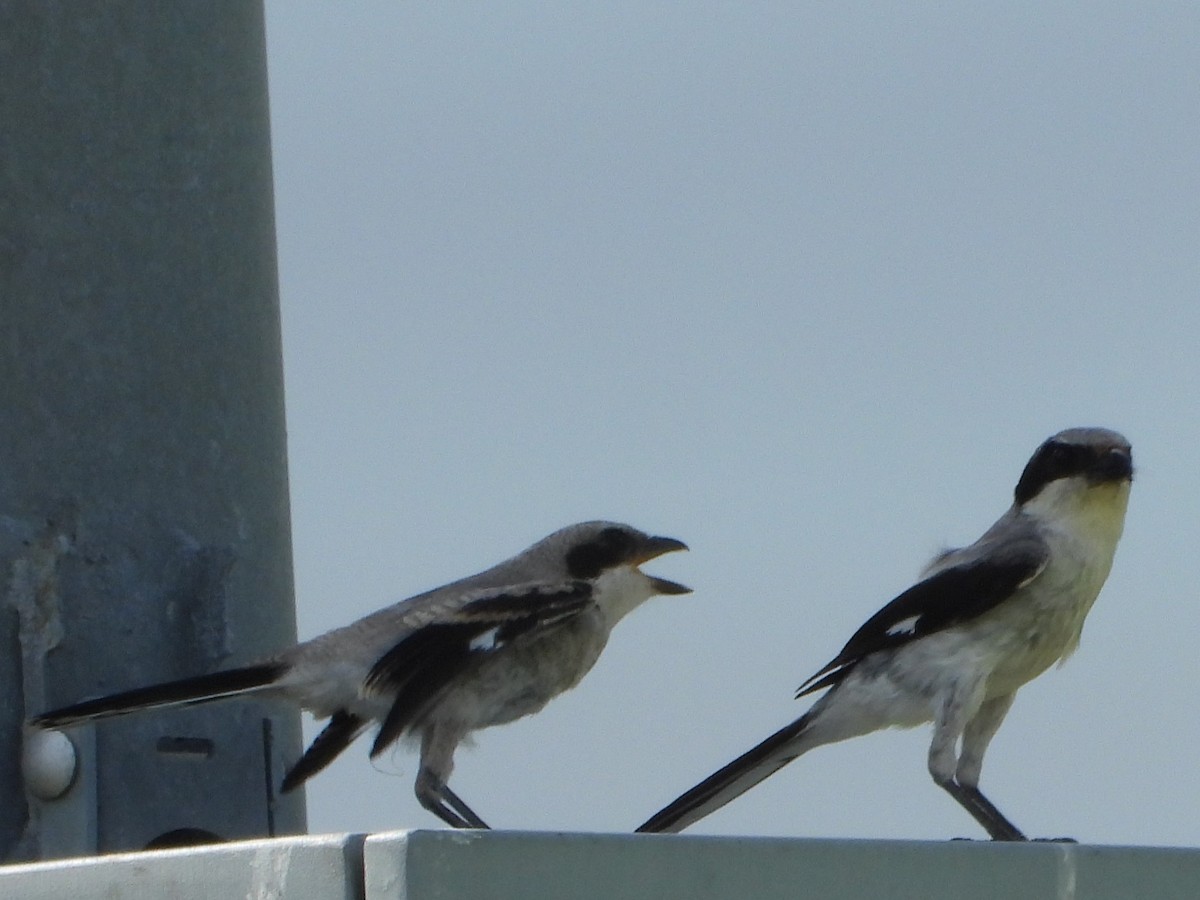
(1065, 459)
(617, 541)
(1054, 460)
(611, 547)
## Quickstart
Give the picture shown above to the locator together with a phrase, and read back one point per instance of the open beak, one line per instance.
(662, 586)
(653, 548)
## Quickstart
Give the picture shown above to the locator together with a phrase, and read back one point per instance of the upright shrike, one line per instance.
(482, 651)
(955, 648)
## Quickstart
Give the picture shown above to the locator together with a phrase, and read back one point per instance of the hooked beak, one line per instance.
(653, 548)
(1115, 465)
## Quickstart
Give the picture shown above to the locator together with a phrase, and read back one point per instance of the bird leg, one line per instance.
(964, 785)
(468, 814)
(958, 775)
(983, 811)
(435, 795)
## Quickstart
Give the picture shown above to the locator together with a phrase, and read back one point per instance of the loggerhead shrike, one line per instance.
(482, 651)
(955, 648)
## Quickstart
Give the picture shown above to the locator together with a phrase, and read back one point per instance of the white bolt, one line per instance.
(48, 763)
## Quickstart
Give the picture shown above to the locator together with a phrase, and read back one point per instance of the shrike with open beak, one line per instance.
(482, 651)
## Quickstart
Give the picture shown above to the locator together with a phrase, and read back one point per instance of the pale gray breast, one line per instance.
(527, 674)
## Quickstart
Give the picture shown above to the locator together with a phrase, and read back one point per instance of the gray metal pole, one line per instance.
(144, 529)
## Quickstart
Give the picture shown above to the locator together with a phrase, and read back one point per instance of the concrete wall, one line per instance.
(445, 865)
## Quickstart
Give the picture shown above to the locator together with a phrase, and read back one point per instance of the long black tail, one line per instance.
(186, 691)
(733, 780)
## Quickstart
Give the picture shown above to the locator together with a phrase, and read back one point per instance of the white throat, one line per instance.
(621, 590)
(1092, 513)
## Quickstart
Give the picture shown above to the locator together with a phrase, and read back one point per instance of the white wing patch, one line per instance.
(485, 641)
(904, 626)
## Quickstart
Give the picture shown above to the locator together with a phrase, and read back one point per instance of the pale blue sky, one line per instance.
(801, 284)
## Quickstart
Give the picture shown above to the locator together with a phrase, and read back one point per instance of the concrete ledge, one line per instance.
(523, 866)
(328, 867)
(446, 865)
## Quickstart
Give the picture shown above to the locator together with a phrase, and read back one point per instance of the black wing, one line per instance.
(947, 598)
(341, 731)
(421, 666)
